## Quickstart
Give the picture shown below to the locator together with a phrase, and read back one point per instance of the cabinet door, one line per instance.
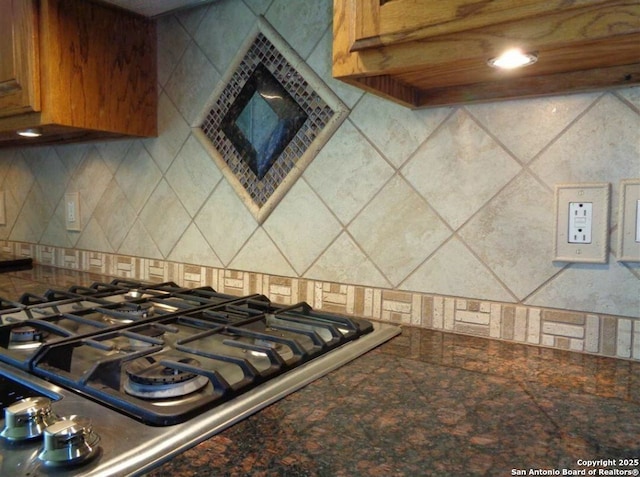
(19, 76)
(386, 22)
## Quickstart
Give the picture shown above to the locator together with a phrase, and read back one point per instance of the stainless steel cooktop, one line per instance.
(116, 378)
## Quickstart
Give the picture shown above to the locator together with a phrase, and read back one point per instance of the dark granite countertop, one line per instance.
(425, 403)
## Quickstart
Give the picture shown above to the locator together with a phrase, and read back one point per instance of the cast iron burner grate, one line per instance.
(188, 351)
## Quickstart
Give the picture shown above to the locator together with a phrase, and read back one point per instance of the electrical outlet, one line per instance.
(3, 214)
(582, 222)
(72, 211)
(629, 221)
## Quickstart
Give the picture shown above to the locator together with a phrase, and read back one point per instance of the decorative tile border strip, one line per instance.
(605, 335)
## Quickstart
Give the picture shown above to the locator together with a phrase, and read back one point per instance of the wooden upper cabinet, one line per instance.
(424, 53)
(76, 70)
(19, 74)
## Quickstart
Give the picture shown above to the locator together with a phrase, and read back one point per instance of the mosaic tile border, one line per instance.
(605, 335)
(324, 109)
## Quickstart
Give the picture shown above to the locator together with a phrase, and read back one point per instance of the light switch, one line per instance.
(582, 222)
(3, 213)
(72, 211)
(629, 221)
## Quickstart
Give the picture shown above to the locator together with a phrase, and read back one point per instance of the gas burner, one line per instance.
(149, 378)
(133, 295)
(128, 313)
(26, 337)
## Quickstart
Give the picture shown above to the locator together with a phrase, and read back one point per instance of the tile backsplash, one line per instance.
(441, 218)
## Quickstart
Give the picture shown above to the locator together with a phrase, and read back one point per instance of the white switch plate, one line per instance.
(629, 221)
(572, 242)
(3, 213)
(72, 211)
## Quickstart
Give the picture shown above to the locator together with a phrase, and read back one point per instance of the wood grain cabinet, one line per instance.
(423, 53)
(75, 70)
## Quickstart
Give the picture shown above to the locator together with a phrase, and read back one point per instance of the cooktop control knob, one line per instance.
(27, 418)
(69, 441)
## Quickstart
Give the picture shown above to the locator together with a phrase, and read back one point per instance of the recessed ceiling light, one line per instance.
(513, 58)
(30, 132)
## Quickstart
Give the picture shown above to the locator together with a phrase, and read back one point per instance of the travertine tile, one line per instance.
(172, 133)
(225, 222)
(302, 26)
(301, 226)
(564, 317)
(347, 185)
(7, 156)
(611, 289)
(115, 215)
(631, 94)
(12, 209)
(33, 218)
(434, 275)
(449, 314)
(545, 119)
(592, 334)
(114, 152)
(55, 232)
(396, 131)
(137, 176)
(344, 262)
(602, 146)
(172, 42)
(90, 179)
(495, 320)
(260, 254)
(520, 324)
(459, 168)
(193, 175)
(522, 257)
(191, 83)
(138, 243)
(49, 172)
(609, 331)
(623, 343)
(259, 7)
(94, 238)
(220, 45)
(18, 182)
(561, 329)
(376, 229)
(533, 326)
(163, 204)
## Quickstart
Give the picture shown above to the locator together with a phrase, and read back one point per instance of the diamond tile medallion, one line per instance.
(267, 119)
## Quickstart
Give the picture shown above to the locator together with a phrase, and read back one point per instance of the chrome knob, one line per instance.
(27, 418)
(69, 441)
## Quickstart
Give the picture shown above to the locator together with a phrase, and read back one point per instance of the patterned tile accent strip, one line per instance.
(606, 335)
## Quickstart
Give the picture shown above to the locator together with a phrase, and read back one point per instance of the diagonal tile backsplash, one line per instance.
(441, 218)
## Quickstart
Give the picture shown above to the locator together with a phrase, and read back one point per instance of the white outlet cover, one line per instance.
(596, 250)
(629, 221)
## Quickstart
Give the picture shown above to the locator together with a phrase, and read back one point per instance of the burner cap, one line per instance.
(149, 379)
(128, 313)
(25, 333)
(148, 370)
(26, 336)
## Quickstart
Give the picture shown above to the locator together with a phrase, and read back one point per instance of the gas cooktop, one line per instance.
(115, 378)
